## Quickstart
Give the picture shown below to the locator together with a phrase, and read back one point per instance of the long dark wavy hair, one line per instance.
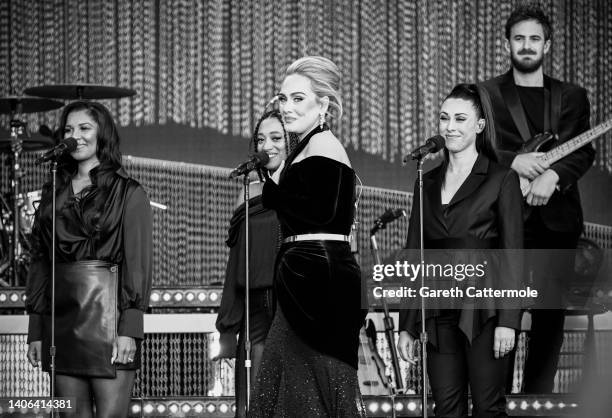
(107, 151)
(479, 98)
(290, 140)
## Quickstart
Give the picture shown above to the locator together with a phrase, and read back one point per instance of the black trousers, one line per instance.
(555, 265)
(450, 372)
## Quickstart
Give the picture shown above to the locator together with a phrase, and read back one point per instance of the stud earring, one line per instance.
(321, 120)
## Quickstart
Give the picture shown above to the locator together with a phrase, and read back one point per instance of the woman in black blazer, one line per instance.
(470, 202)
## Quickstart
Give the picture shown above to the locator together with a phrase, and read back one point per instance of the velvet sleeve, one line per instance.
(575, 165)
(313, 196)
(510, 225)
(135, 284)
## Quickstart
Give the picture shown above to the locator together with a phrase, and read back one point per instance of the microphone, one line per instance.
(389, 216)
(433, 144)
(66, 145)
(257, 160)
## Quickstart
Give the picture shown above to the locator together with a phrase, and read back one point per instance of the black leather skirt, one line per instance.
(86, 318)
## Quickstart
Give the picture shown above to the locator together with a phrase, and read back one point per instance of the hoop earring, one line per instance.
(321, 120)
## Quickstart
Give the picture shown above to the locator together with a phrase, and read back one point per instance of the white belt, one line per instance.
(317, 237)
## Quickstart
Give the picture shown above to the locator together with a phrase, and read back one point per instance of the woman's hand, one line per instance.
(35, 353)
(124, 350)
(405, 347)
(276, 175)
(503, 342)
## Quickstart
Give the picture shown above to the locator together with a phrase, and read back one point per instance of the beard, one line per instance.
(526, 67)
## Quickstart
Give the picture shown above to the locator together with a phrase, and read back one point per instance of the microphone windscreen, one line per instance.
(70, 143)
(438, 142)
(261, 158)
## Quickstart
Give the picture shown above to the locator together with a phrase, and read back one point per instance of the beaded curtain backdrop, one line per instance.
(215, 63)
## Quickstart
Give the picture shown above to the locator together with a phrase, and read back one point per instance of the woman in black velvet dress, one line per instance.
(103, 269)
(309, 366)
(264, 234)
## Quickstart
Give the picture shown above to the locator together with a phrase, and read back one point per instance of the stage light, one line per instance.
(536, 405)
(135, 408)
(2, 297)
(373, 407)
(178, 296)
(561, 405)
(186, 408)
(198, 408)
(202, 296)
(214, 296)
(399, 406)
(412, 406)
(148, 409)
(166, 297)
(385, 407)
(548, 405)
(524, 405)
(155, 297)
(14, 297)
(224, 408)
(211, 408)
(190, 297)
(161, 408)
(511, 405)
(173, 408)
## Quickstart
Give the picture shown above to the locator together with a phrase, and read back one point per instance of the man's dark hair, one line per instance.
(530, 11)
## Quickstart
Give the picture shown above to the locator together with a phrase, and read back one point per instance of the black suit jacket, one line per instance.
(569, 117)
(487, 207)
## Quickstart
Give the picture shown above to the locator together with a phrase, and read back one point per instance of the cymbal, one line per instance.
(27, 144)
(24, 104)
(80, 91)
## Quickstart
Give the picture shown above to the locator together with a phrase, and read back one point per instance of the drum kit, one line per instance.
(17, 207)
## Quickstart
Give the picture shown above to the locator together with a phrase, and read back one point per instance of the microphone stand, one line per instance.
(389, 328)
(388, 320)
(52, 348)
(247, 336)
(423, 335)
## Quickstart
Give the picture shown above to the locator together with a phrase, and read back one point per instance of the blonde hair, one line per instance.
(324, 78)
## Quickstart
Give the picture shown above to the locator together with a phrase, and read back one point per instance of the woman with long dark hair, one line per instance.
(103, 268)
(270, 137)
(471, 202)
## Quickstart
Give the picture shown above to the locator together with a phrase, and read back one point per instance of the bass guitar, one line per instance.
(555, 154)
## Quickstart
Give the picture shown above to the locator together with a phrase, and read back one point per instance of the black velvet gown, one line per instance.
(309, 366)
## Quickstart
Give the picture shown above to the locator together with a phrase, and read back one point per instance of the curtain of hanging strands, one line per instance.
(216, 63)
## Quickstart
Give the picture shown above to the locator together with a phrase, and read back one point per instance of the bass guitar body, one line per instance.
(372, 375)
(539, 142)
